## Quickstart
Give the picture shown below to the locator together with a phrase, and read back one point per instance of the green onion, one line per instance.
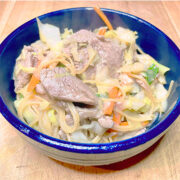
(61, 65)
(105, 95)
(151, 73)
(20, 96)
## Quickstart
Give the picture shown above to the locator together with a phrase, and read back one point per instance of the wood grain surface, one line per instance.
(21, 161)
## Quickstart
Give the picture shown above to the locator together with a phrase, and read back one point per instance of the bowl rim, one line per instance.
(86, 147)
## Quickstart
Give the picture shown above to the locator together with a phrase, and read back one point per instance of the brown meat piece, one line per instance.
(106, 122)
(109, 51)
(85, 113)
(62, 135)
(30, 60)
(62, 86)
(40, 89)
(69, 120)
(21, 80)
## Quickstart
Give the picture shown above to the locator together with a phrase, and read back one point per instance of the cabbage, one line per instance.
(67, 32)
(135, 102)
(17, 103)
(135, 88)
(94, 127)
(78, 136)
(148, 60)
(126, 35)
(160, 91)
(52, 117)
(110, 34)
(28, 115)
(18, 100)
(50, 35)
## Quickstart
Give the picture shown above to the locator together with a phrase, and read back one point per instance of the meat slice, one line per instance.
(21, 80)
(109, 51)
(91, 113)
(106, 122)
(83, 36)
(29, 60)
(62, 86)
(40, 89)
(69, 120)
(62, 135)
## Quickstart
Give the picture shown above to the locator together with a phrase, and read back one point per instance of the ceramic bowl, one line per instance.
(151, 39)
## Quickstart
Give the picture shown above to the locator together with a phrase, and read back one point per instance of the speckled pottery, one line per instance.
(152, 40)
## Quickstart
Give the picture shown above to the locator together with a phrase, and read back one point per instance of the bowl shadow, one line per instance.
(115, 166)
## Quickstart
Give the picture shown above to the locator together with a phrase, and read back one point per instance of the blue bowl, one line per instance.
(152, 40)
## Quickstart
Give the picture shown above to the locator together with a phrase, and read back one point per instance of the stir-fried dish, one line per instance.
(88, 86)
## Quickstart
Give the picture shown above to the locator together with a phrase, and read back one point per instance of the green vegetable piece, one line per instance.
(162, 69)
(61, 65)
(105, 95)
(52, 117)
(151, 73)
(20, 96)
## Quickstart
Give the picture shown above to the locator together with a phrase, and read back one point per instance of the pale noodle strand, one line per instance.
(62, 118)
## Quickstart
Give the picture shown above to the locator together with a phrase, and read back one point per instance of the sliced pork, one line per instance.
(63, 86)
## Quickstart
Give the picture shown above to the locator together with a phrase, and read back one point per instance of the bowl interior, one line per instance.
(150, 39)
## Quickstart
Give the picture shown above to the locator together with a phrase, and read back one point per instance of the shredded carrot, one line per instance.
(102, 32)
(145, 123)
(113, 92)
(109, 106)
(117, 117)
(103, 17)
(33, 82)
(125, 123)
(34, 79)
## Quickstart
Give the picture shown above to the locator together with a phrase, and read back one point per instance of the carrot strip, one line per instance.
(145, 123)
(33, 82)
(113, 92)
(102, 32)
(103, 17)
(117, 117)
(34, 79)
(108, 108)
(124, 123)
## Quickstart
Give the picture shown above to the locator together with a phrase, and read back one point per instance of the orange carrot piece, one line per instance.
(124, 123)
(33, 82)
(145, 123)
(113, 93)
(108, 109)
(31, 96)
(34, 79)
(109, 106)
(117, 117)
(103, 17)
(102, 32)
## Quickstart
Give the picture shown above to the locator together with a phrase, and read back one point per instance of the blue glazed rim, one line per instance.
(82, 147)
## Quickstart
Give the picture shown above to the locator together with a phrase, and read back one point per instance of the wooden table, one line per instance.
(19, 160)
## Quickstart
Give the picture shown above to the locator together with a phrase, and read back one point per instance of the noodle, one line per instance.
(62, 119)
(96, 139)
(115, 105)
(92, 55)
